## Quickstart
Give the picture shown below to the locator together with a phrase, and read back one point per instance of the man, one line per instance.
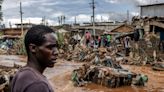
(41, 47)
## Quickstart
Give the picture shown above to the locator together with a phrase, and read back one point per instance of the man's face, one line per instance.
(47, 53)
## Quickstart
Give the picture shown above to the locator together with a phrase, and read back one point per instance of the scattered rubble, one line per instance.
(6, 75)
(158, 66)
(107, 73)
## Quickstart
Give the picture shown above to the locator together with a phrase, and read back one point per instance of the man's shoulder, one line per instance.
(27, 74)
(26, 77)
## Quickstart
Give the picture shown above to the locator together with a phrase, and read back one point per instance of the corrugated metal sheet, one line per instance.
(152, 10)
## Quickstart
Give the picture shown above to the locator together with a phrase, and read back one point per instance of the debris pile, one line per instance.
(6, 75)
(159, 66)
(12, 47)
(108, 73)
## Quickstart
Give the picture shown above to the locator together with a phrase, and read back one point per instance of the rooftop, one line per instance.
(156, 4)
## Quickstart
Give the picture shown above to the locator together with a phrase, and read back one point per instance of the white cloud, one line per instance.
(134, 13)
(44, 9)
(34, 10)
(102, 17)
(14, 21)
(50, 3)
(79, 18)
(57, 14)
(83, 17)
(112, 1)
(10, 4)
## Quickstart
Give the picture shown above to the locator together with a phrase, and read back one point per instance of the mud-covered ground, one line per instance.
(62, 83)
(59, 76)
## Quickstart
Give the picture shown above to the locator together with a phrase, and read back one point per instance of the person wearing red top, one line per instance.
(87, 37)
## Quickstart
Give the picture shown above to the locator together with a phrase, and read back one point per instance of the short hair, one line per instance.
(35, 35)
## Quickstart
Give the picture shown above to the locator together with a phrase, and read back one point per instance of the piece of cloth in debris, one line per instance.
(29, 80)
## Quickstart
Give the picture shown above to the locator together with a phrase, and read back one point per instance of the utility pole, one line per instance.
(75, 20)
(44, 20)
(59, 20)
(21, 13)
(127, 16)
(93, 16)
(10, 24)
(64, 19)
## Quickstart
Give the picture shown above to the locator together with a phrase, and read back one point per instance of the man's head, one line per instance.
(41, 43)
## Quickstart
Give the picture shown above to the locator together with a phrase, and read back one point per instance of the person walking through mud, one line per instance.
(41, 47)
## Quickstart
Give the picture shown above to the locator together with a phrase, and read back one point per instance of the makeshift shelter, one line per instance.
(123, 29)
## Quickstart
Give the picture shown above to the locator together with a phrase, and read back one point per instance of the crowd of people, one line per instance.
(106, 40)
(97, 41)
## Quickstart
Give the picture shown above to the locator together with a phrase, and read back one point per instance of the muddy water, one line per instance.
(59, 77)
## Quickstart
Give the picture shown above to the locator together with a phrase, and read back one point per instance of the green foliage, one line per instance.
(60, 39)
(19, 47)
(1, 33)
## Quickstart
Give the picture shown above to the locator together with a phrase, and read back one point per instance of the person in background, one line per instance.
(127, 45)
(99, 39)
(88, 38)
(108, 40)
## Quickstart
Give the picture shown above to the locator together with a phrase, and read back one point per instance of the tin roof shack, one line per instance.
(153, 29)
(151, 15)
(17, 31)
(121, 30)
(13, 31)
(149, 24)
(65, 29)
(25, 25)
(152, 10)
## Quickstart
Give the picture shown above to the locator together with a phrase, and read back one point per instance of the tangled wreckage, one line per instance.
(104, 70)
(108, 74)
(6, 75)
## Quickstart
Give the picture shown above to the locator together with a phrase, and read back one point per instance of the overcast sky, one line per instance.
(34, 10)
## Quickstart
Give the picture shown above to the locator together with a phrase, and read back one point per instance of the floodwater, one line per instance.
(59, 77)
